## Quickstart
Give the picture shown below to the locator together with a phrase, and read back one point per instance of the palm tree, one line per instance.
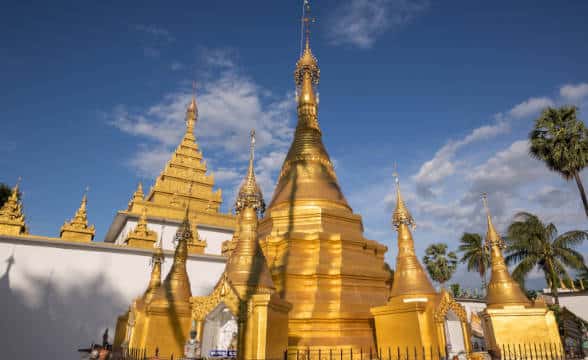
(560, 140)
(532, 244)
(439, 263)
(475, 255)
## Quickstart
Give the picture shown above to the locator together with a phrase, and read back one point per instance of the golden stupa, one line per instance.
(161, 318)
(319, 259)
(77, 229)
(246, 286)
(12, 219)
(510, 317)
(414, 316)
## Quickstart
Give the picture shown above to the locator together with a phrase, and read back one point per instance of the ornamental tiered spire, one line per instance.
(141, 236)
(12, 219)
(250, 193)
(247, 268)
(155, 278)
(409, 276)
(176, 286)
(77, 229)
(307, 174)
(502, 289)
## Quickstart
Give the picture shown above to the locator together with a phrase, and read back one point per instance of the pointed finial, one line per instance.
(249, 193)
(192, 112)
(401, 214)
(307, 20)
(492, 237)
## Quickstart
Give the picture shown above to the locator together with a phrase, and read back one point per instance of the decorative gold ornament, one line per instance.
(141, 236)
(77, 229)
(12, 219)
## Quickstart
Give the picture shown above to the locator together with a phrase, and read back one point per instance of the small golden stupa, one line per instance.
(319, 259)
(141, 236)
(510, 317)
(12, 219)
(246, 286)
(161, 318)
(77, 229)
(415, 314)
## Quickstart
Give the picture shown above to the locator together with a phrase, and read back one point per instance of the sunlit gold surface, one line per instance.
(511, 318)
(415, 314)
(12, 219)
(184, 182)
(246, 286)
(161, 318)
(319, 259)
(141, 236)
(77, 229)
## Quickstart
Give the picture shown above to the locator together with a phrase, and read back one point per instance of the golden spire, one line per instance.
(410, 278)
(138, 195)
(77, 228)
(176, 286)
(250, 193)
(247, 267)
(502, 289)
(308, 173)
(12, 220)
(155, 279)
(192, 113)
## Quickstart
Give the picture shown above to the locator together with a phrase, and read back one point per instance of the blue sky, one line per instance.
(94, 93)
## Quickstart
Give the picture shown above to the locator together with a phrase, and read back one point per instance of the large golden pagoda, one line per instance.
(414, 316)
(246, 286)
(161, 318)
(12, 219)
(510, 317)
(319, 259)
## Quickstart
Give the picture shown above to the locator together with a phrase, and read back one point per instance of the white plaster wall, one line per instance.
(575, 302)
(472, 307)
(57, 297)
(214, 237)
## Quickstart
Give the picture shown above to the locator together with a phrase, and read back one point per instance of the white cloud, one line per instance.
(360, 22)
(531, 106)
(443, 163)
(149, 161)
(574, 92)
(155, 31)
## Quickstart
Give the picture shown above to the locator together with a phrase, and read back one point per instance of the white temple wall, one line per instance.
(56, 296)
(214, 237)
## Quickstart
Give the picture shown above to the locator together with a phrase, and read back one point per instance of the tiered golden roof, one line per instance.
(410, 278)
(77, 229)
(502, 289)
(184, 182)
(12, 219)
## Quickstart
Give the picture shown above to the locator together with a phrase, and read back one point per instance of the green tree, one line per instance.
(5, 192)
(455, 290)
(475, 255)
(532, 244)
(439, 263)
(560, 140)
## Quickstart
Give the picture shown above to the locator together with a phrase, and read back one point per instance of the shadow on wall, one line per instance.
(63, 321)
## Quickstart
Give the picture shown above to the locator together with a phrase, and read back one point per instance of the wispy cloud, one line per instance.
(155, 31)
(574, 92)
(529, 107)
(229, 106)
(360, 22)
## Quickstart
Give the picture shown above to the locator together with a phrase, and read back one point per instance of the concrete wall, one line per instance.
(213, 237)
(576, 302)
(56, 297)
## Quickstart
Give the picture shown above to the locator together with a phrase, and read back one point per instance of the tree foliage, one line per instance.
(439, 263)
(475, 254)
(533, 244)
(560, 140)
